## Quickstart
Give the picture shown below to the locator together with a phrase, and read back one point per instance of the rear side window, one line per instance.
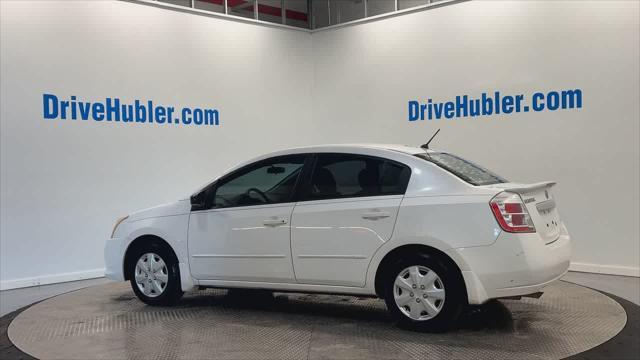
(347, 175)
(464, 169)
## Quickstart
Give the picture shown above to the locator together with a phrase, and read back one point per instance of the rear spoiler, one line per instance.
(531, 187)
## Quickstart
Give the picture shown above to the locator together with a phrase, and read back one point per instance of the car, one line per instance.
(426, 230)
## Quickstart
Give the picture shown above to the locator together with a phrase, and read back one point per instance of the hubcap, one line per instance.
(419, 293)
(151, 274)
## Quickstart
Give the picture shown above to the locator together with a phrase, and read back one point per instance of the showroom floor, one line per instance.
(625, 287)
(94, 316)
(10, 300)
(108, 322)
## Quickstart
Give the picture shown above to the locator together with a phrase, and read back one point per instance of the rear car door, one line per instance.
(346, 211)
(244, 233)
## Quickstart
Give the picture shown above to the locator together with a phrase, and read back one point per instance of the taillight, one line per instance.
(511, 214)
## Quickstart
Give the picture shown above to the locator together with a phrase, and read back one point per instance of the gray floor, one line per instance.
(10, 300)
(108, 322)
(625, 287)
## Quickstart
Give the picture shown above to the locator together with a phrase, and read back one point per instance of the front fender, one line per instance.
(173, 230)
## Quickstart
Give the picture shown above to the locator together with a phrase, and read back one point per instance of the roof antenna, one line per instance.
(426, 146)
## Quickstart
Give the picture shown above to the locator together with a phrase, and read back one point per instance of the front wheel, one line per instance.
(156, 276)
(423, 293)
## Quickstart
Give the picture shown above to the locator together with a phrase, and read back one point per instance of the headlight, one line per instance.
(118, 222)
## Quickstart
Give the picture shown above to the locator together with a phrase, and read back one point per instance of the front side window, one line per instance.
(464, 169)
(267, 182)
(346, 175)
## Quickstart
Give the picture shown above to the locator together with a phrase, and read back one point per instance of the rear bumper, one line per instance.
(516, 264)
(113, 257)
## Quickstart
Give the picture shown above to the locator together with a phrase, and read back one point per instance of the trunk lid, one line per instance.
(541, 205)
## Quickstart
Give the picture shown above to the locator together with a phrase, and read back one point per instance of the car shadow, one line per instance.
(491, 316)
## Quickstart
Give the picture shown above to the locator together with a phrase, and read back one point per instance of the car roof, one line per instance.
(410, 150)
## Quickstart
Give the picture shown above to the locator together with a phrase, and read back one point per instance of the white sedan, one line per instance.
(426, 230)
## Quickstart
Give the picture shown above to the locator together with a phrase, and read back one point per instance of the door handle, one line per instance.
(375, 215)
(274, 222)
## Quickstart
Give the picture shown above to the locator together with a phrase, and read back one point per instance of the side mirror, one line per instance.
(198, 201)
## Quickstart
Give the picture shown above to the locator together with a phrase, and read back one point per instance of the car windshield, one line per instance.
(464, 169)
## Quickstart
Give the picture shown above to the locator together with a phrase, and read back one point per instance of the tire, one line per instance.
(166, 268)
(434, 308)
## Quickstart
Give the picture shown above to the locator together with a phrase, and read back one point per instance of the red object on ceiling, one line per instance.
(262, 9)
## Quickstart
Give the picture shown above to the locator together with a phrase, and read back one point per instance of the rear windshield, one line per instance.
(464, 169)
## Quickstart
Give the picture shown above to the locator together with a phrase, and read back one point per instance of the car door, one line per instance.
(346, 211)
(244, 232)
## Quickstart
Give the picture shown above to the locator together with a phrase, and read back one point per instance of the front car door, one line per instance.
(244, 235)
(346, 212)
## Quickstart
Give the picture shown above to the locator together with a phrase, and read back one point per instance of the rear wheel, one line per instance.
(423, 293)
(155, 276)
